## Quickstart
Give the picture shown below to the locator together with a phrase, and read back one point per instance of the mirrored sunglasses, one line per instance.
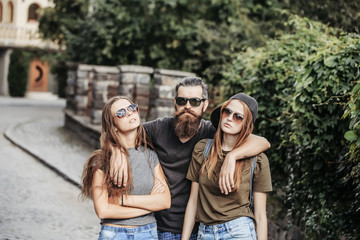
(195, 102)
(122, 111)
(237, 117)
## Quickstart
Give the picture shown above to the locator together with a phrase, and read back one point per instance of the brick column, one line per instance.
(79, 78)
(105, 86)
(163, 92)
(135, 84)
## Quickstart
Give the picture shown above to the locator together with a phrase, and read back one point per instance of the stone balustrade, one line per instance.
(23, 36)
(135, 84)
(89, 87)
(163, 92)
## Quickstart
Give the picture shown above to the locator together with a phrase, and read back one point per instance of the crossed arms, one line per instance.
(133, 205)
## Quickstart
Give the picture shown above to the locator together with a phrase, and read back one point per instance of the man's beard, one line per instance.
(187, 126)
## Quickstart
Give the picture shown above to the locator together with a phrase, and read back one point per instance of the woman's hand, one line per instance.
(118, 167)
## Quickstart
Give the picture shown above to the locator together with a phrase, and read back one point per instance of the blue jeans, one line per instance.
(172, 236)
(144, 232)
(239, 228)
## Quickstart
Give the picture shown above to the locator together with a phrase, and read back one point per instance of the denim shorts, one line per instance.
(148, 231)
(173, 236)
(239, 228)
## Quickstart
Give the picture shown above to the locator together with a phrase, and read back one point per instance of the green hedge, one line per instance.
(18, 73)
(303, 82)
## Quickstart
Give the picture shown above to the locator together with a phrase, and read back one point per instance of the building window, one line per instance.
(9, 17)
(33, 14)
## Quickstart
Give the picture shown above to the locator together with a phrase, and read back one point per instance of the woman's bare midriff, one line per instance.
(121, 226)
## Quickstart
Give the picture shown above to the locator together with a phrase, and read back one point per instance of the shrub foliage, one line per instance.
(303, 82)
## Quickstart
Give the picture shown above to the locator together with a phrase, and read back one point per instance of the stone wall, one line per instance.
(135, 84)
(90, 86)
(163, 92)
(79, 79)
(105, 85)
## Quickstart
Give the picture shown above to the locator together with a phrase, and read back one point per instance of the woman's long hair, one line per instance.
(216, 152)
(100, 159)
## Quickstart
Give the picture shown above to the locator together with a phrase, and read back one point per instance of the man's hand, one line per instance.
(226, 178)
(158, 187)
(118, 167)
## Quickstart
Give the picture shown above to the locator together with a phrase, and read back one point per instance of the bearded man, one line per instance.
(174, 139)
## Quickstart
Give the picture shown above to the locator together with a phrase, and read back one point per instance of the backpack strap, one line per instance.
(253, 165)
(207, 149)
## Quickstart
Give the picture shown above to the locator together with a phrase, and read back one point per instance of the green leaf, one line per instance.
(295, 106)
(356, 88)
(350, 136)
(330, 61)
(308, 81)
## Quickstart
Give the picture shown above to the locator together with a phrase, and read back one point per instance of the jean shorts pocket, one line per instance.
(153, 233)
(107, 235)
(240, 231)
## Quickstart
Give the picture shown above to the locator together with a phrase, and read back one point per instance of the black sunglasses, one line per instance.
(237, 117)
(122, 111)
(195, 102)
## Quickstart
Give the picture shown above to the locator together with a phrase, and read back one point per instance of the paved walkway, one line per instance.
(48, 141)
(35, 203)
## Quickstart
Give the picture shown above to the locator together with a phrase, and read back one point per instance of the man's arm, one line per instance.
(253, 145)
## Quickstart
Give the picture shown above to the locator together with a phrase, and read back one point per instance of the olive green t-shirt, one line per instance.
(214, 207)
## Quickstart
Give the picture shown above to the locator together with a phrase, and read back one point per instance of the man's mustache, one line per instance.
(186, 111)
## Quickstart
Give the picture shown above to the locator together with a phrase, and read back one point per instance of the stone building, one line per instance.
(19, 29)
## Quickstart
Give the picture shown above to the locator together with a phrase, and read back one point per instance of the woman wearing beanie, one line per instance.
(230, 216)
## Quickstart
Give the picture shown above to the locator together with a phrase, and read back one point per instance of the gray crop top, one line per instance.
(143, 180)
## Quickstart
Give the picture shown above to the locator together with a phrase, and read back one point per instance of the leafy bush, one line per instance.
(303, 82)
(323, 87)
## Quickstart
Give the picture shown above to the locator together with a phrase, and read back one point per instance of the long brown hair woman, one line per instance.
(126, 211)
(228, 216)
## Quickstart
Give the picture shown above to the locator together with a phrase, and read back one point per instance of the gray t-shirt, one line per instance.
(143, 181)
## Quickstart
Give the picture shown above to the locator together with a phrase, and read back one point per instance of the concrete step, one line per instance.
(41, 95)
